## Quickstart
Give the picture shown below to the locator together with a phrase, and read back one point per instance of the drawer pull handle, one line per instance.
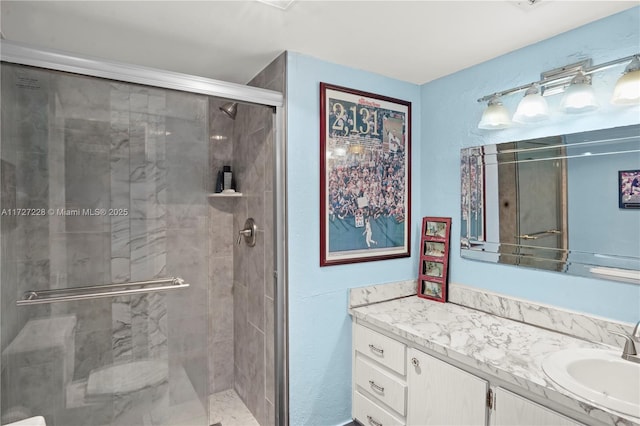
(373, 421)
(376, 349)
(375, 386)
(415, 362)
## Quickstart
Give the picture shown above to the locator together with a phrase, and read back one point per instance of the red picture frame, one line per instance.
(365, 176)
(434, 258)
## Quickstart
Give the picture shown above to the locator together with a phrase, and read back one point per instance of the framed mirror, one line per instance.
(567, 203)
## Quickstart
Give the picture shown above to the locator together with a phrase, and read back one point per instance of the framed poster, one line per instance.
(434, 258)
(629, 189)
(365, 176)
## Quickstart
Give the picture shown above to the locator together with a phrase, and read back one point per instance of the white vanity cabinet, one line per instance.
(514, 410)
(441, 394)
(396, 384)
(379, 378)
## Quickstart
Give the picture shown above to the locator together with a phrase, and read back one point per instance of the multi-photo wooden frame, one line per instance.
(434, 258)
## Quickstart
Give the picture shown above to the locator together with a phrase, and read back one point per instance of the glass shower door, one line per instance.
(102, 182)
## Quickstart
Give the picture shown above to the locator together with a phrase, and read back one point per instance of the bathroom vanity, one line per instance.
(420, 362)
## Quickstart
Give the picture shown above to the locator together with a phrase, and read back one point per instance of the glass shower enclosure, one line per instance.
(104, 250)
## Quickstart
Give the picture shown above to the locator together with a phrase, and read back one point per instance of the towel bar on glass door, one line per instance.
(35, 297)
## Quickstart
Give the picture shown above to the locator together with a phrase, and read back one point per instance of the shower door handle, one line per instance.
(249, 233)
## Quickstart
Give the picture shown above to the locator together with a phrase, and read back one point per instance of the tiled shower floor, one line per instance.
(227, 408)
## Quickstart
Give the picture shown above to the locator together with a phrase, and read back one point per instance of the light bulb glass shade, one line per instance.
(627, 90)
(495, 117)
(578, 98)
(531, 109)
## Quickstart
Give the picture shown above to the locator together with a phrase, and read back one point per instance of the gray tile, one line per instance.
(31, 238)
(221, 229)
(269, 163)
(186, 105)
(32, 275)
(139, 102)
(256, 369)
(269, 248)
(88, 258)
(187, 215)
(255, 283)
(270, 414)
(32, 180)
(158, 330)
(269, 344)
(119, 97)
(272, 76)
(221, 301)
(87, 173)
(93, 350)
(149, 244)
(240, 330)
(38, 387)
(119, 183)
(82, 97)
(256, 208)
(241, 382)
(120, 237)
(121, 322)
(227, 408)
(139, 326)
(222, 362)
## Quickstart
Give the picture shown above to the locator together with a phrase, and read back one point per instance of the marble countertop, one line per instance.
(509, 350)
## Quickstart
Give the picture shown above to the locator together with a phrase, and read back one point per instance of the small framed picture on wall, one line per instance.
(434, 258)
(629, 189)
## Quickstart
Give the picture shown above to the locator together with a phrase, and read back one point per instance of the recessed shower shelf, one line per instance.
(230, 195)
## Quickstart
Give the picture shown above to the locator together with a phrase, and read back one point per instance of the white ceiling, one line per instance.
(415, 41)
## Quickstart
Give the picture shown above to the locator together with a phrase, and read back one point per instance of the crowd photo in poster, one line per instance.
(472, 193)
(365, 176)
(629, 189)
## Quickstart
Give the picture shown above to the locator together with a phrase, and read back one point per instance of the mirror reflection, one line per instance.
(567, 203)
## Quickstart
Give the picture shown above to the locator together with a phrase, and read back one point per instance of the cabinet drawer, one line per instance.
(370, 414)
(380, 385)
(383, 349)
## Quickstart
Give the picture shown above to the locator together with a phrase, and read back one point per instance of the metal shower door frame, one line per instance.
(24, 54)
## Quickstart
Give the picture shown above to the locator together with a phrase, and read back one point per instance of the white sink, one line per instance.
(597, 375)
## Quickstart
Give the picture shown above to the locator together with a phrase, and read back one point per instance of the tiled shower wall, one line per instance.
(72, 142)
(221, 239)
(254, 269)
(241, 301)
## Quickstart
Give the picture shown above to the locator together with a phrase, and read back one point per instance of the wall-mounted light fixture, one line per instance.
(532, 108)
(495, 116)
(575, 81)
(579, 96)
(627, 90)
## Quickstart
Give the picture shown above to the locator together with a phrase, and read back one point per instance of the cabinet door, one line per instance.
(441, 394)
(514, 410)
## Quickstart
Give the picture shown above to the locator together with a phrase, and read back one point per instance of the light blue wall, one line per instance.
(319, 325)
(445, 115)
(449, 123)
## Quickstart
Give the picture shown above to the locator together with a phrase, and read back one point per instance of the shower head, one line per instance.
(230, 108)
